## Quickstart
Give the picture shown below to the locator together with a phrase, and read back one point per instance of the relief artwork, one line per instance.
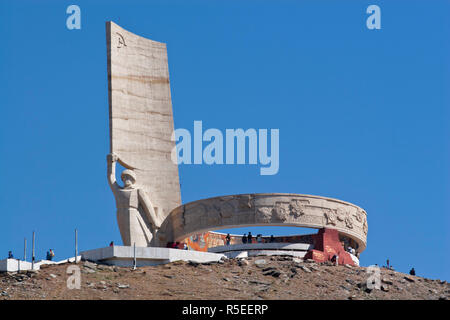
(121, 41)
(330, 216)
(297, 208)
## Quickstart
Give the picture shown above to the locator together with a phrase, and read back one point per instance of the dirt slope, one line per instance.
(252, 278)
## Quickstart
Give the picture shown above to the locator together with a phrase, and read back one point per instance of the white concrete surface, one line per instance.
(146, 256)
(253, 253)
(263, 249)
(15, 265)
(263, 246)
(355, 259)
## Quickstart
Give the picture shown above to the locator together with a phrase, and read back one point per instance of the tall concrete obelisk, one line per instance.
(141, 126)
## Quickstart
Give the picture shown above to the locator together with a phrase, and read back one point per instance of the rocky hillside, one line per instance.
(253, 278)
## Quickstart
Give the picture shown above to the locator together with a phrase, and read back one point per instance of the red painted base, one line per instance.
(326, 245)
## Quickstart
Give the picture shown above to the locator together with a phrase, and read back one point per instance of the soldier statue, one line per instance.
(138, 219)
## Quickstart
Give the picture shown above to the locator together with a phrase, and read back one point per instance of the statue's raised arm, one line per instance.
(112, 160)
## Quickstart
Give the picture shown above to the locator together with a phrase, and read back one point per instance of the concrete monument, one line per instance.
(141, 125)
(149, 210)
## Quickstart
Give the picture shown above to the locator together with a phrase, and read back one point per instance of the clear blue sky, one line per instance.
(363, 114)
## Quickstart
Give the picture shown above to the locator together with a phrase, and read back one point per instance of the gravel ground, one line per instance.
(254, 278)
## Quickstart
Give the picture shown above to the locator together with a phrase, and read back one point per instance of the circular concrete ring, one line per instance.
(262, 209)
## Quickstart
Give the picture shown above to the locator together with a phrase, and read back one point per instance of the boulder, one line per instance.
(260, 263)
(306, 269)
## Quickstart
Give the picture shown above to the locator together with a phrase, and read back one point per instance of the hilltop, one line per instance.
(276, 277)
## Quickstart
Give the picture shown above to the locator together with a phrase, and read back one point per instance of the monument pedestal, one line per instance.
(326, 245)
(123, 256)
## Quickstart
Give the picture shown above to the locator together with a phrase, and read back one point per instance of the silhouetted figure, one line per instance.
(111, 244)
(228, 239)
(244, 239)
(272, 239)
(387, 264)
(249, 237)
(10, 255)
(412, 272)
(335, 259)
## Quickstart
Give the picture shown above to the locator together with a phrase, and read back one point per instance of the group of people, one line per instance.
(351, 250)
(177, 245)
(248, 238)
(390, 267)
(49, 256)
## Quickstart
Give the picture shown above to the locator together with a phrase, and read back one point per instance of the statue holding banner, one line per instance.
(141, 127)
(138, 219)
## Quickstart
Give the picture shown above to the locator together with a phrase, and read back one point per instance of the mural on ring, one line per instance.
(203, 241)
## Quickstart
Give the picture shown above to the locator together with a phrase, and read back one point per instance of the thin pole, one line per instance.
(134, 260)
(25, 250)
(32, 255)
(76, 245)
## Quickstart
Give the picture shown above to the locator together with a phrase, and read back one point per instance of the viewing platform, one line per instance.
(267, 249)
(123, 256)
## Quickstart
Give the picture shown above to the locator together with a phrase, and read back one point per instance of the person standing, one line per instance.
(228, 239)
(244, 239)
(335, 259)
(249, 238)
(50, 255)
(10, 255)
